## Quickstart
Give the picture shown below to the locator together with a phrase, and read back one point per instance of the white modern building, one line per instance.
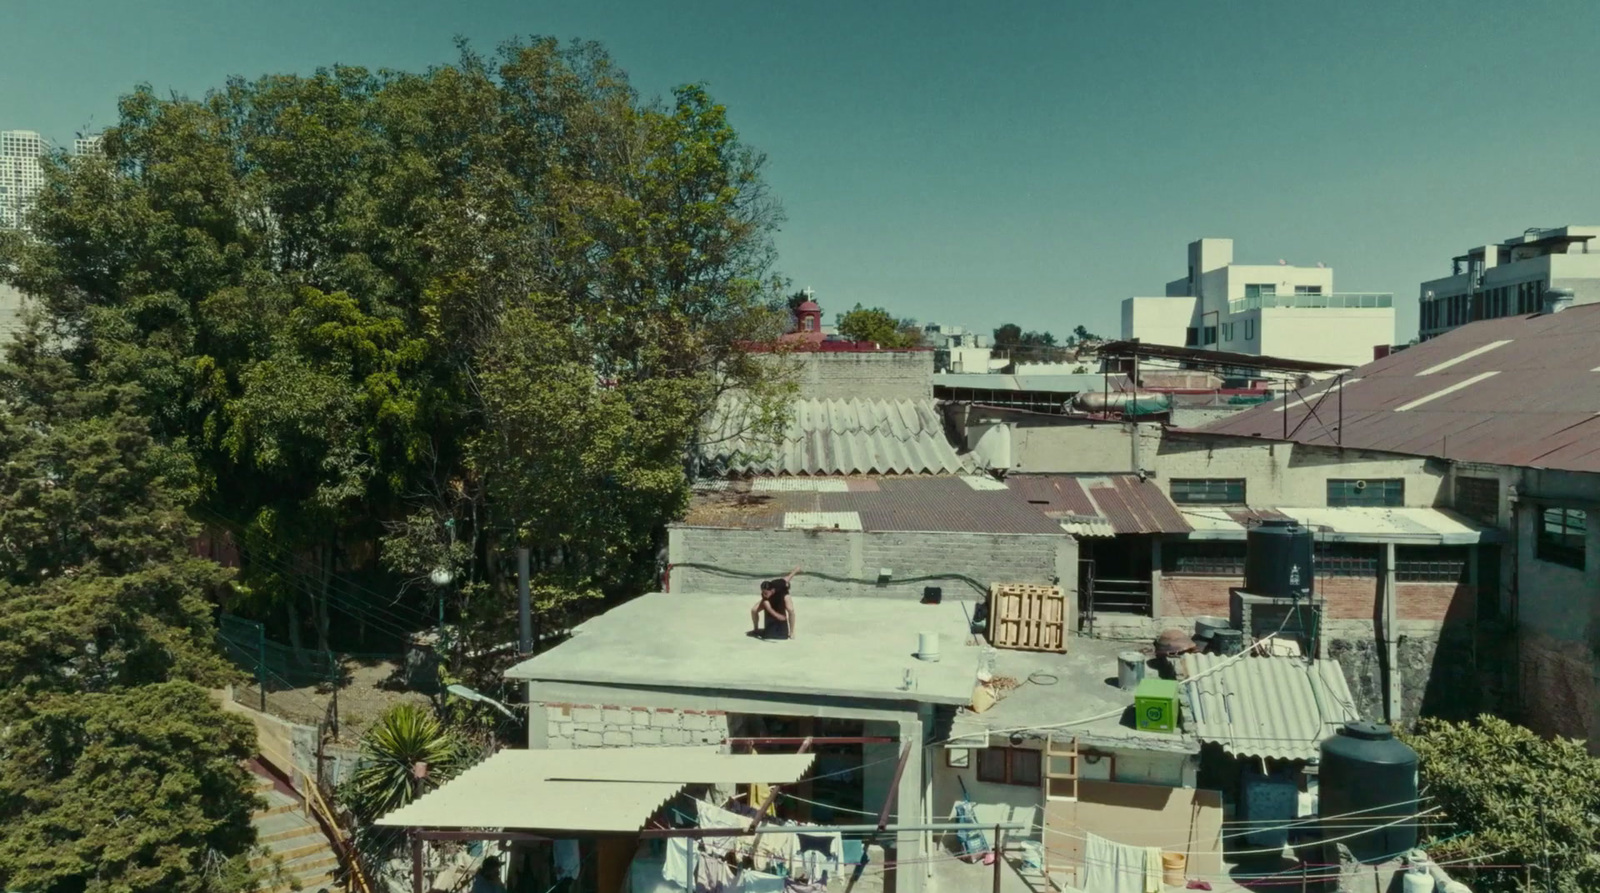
(86, 145)
(1274, 310)
(21, 173)
(1511, 278)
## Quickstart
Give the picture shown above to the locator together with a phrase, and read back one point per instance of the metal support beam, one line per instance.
(813, 740)
(416, 863)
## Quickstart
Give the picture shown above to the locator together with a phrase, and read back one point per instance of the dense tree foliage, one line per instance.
(877, 325)
(397, 323)
(140, 790)
(1524, 799)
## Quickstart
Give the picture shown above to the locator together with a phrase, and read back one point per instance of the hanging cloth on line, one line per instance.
(1111, 867)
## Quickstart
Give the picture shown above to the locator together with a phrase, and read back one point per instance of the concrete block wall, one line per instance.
(880, 375)
(859, 555)
(1280, 475)
(569, 726)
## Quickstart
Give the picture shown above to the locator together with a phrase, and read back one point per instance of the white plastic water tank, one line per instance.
(1417, 882)
(927, 646)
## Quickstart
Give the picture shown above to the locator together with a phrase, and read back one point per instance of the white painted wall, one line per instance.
(1158, 320)
(1288, 474)
(1335, 335)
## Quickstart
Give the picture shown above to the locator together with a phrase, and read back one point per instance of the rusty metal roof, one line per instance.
(1520, 391)
(915, 503)
(832, 437)
(1122, 501)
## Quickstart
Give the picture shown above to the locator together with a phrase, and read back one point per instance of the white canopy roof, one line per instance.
(598, 790)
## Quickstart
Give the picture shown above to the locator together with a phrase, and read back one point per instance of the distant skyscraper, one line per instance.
(21, 173)
(87, 145)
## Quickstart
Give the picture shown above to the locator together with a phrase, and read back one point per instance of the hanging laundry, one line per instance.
(679, 865)
(794, 886)
(760, 882)
(1152, 869)
(1111, 867)
(714, 876)
(821, 855)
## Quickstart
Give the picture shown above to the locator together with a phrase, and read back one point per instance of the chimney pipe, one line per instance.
(1558, 299)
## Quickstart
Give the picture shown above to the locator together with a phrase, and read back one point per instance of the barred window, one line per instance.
(1562, 536)
(1346, 560)
(1213, 491)
(1478, 499)
(1203, 559)
(1389, 492)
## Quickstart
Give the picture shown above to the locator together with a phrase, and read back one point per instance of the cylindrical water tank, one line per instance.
(1130, 670)
(1277, 559)
(1367, 786)
(1227, 641)
(927, 646)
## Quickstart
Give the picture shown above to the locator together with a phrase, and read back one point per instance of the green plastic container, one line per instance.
(1155, 705)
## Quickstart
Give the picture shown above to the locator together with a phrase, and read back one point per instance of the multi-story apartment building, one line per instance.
(1511, 278)
(21, 173)
(1262, 309)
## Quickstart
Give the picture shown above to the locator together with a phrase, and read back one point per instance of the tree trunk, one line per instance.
(324, 581)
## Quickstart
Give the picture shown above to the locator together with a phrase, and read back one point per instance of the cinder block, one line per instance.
(619, 717)
(587, 715)
(643, 737)
(696, 722)
(559, 744)
(582, 738)
(617, 739)
(674, 736)
(666, 720)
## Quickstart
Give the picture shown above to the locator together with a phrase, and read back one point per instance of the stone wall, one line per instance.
(854, 555)
(570, 726)
(879, 375)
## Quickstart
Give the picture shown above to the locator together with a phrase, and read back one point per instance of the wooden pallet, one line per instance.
(1027, 617)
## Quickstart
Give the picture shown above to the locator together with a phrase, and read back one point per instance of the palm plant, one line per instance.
(408, 734)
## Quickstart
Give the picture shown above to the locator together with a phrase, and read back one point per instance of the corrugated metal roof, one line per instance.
(1093, 503)
(1057, 383)
(1540, 409)
(1275, 707)
(593, 790)
(856, 436)
(912, 503)
(1423, 526)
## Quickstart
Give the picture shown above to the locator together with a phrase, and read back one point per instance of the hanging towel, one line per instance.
(567, 861)
(821, 855)
(1111, 867)
(677, 868)
(759, 882)
(1152, 869)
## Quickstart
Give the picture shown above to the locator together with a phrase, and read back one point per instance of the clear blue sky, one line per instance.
(981, 163)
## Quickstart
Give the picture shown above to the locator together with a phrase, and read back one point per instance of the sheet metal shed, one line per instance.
(603, 791)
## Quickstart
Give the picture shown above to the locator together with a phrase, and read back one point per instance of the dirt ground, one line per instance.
(370, 688)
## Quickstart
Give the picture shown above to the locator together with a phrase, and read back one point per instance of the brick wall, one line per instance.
(858, 555)
(598, 725)
(1344, 598)
(880, 375)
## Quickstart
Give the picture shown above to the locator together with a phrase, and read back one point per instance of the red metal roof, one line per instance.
(1127, 503)
(1520, 390)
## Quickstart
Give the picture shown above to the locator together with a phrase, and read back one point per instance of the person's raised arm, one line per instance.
(792, 575)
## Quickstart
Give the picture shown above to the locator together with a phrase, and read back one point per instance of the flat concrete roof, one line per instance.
(855, 648)
(1058, 688)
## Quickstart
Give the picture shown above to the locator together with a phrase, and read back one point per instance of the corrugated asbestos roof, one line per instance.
(1280, 708)
(587, 790)
(1101, 505)
(856, 436)
(1520, 391)
(916, 503)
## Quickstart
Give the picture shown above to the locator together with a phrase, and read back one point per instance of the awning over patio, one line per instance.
(603, 790)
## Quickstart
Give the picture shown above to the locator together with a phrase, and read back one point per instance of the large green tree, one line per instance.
(1509, 794)
(319, 292)
(877, 325)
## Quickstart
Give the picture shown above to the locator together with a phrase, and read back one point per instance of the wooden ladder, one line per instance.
(1059, 783)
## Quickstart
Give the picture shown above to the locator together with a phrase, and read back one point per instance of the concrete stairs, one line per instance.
(282, 826)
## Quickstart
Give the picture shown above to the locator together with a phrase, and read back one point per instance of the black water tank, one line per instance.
(1277, 559)
(1367, 780)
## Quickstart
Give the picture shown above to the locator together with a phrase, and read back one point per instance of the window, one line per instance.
(1431, 564)
(1210, 335)
(1562, 533)
(1478, 499)
(1377, 492)
(1225, 491)
(1010, 765)
(1203, 559)
(1346, 560)
(1308, 289)
(1257, 290)
(1191, 337)
(1249, 329)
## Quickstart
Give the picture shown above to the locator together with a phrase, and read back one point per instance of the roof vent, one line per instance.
(1557, 300)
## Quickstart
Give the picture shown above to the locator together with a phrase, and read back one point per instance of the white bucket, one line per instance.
(927, 646)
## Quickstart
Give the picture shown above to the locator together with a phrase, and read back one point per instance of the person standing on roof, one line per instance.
(773, 616)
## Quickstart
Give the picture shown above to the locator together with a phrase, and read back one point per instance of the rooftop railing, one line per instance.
(1334, 300)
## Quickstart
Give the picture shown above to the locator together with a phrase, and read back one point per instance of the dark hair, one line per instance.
(779, 586)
